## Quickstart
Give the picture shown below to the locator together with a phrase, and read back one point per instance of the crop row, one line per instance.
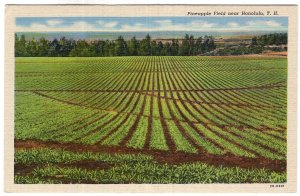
(157, 104)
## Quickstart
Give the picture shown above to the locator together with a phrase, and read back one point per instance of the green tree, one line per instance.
(204, 45)
(198, 46)
(191, 45)
(185, 46)
(159, 49)
(153, 48)
(174, 47)
(121, 47)
(109, 48)
(98, 47)
(43, 47)
(133, 47)
(167, 49)
(20, 46)
(66, 46)
(145, 46)
(211, 43)
(254, 41)
(32, 48)
(82, 49)
(54, 48)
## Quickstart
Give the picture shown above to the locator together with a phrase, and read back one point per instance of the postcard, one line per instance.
(150, 98)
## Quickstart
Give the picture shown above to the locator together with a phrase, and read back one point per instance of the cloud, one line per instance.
(110, 24)
(100, 22)
(269, 23)
(163, 22)
(168, 25)
(201, 24)
(156, 25)
(107, 24)
(80, 26)
(232, 24)
(134, 27)
(40, 27)
(273, 23)
(54, 22)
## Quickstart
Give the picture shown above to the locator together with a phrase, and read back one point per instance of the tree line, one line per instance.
(270, 39)
(258, 45)
(63, 47)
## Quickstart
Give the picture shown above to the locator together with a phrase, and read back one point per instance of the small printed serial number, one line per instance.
(276, 185)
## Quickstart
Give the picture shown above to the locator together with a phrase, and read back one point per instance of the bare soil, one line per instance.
(169, 157)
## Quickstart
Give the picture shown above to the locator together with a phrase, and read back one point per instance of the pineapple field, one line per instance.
(150, 119)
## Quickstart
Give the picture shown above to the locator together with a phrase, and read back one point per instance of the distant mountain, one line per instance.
(138, 35)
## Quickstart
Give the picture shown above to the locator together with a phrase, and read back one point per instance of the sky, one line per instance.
(150, 24)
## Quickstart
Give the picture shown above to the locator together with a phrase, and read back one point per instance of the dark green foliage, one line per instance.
(185, 46)
(119, 47)
(53, 48)
(145, 46)
(130, 168)
(20, 46)
(174, 47)
(65, 46)
(272, 39)
(240, 50)
(258, 44)
(133, 47)
(153, 48)
(82, 48)
(188, 46)
(160, 47)
(254, 41)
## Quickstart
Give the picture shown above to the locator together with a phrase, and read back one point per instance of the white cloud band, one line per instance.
(160, 25)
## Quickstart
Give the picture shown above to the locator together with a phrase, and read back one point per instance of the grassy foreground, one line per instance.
(59, 166)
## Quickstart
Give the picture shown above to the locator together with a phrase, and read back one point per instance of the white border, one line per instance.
(3, 2)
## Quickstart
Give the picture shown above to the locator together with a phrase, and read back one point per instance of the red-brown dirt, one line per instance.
(170, 157)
